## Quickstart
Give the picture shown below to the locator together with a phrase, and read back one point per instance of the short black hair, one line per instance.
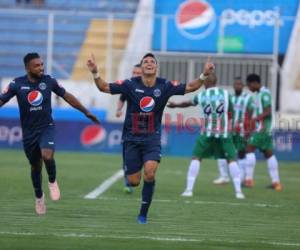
(138, 65)
(147, 55)
(30, 56)
(237, 78)
(253, 78)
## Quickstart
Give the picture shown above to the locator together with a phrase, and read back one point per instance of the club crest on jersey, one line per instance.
(35, 98)
(147, 104)
(42, 86)
(157, 92)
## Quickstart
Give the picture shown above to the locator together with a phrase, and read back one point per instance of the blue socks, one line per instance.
(51, 169)
(147, 193)
(36, 177)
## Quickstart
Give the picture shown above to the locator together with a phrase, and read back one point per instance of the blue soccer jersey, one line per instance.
(145, 106)
(34, 100)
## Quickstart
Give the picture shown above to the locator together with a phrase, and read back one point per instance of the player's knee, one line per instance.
(134, 182)
(47, 157)
(149, 176)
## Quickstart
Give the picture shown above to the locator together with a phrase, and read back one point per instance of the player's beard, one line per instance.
(36, 76)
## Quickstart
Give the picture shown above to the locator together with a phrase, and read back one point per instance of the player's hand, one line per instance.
(171, 105)
(119, 113)
(92, 117)
(92, 65)
(209, 67)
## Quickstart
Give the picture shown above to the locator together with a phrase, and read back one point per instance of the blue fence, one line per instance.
(81, 135)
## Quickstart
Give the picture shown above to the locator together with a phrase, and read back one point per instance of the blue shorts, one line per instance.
(135, 154)
(38, 139)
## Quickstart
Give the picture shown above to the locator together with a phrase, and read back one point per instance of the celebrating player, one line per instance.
(33, 93)
(242, 110)
(136, 71)
(146, 98)
(261, 138)
(215, 138)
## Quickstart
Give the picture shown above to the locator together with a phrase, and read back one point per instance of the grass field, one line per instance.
(212, 219)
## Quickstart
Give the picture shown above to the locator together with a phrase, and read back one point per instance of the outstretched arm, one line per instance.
(93, 68)
(74, 102)
(197, 83)
(184, 104)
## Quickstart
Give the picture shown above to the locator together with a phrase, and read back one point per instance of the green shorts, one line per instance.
(261, 140)
(211, 147)
(240, 142)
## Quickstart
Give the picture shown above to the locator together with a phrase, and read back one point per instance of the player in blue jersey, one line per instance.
(33, 92)
(136, 71)
(146, 98)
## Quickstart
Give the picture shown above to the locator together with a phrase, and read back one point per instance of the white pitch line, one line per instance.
(138, 237)
(105, 185)
(198, 202)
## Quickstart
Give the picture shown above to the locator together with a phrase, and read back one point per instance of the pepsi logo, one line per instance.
(195, 19)
(147, 104)
(92, 135)
(35, 98)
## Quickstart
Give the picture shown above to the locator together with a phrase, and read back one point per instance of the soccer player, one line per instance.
(242, 110)
(215, 139)
(146, 98)
(33, 92)
(261, 138)
(136, 71)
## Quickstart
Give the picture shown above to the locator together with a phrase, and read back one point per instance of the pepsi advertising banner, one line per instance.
(247, 26)
(106, 138)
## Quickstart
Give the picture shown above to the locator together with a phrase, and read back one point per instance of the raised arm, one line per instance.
(93, 68)
(184, 104)
(197, 83)
(74, 102)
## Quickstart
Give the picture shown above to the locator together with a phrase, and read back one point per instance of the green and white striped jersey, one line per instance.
(215, 104)
(242, 107)
(262, 100)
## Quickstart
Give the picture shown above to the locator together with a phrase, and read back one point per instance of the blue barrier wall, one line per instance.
(81, 135)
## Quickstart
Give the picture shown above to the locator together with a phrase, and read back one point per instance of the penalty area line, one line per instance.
(105, 185)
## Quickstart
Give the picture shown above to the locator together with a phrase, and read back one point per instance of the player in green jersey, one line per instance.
(242, 108)
(215, 139)
(261, 137)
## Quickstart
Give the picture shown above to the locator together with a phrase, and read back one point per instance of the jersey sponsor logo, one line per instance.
(139, 90)
(42, 86)
(119, 82)
(25, 88)
(35, 98)
(157, 93)
(92, 135)
(147, 104)
(195, 19)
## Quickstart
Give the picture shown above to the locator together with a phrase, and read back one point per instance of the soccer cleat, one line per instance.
(239, 196)
(276, 186)
(40, 207)
(249, 183)
(142, 219)
(128, 190)
(54, 191)
(221, 181)
(187, 193)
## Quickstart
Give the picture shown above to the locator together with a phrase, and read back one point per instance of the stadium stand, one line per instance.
(27, 30)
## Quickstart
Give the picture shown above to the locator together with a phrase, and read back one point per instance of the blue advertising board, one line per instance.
(176, 141)
(195, 25)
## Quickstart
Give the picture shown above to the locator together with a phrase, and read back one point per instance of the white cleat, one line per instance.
(40, 207)
(240, 196)
(221, 181)
(187, 193)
